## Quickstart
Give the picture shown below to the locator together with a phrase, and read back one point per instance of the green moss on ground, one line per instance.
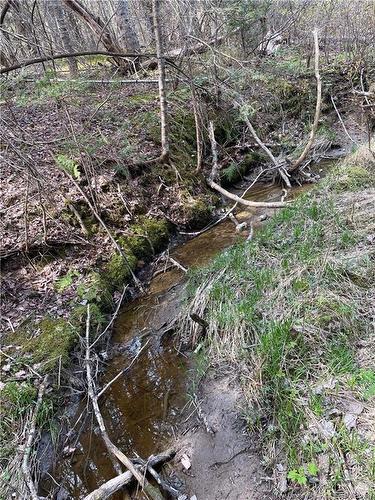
(198, 211)
(45, 342)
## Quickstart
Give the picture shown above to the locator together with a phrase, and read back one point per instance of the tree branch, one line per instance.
(37, 60)
(314, 129)
(214, 185)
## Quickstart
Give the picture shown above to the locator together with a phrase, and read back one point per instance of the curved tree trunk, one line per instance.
(97, 26)
(318, 106)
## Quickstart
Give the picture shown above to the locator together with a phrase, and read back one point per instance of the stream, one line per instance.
(143, 408)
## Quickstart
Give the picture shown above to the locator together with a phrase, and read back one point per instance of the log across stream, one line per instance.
(143, 408)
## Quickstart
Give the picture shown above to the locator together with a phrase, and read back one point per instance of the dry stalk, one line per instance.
(29, 443)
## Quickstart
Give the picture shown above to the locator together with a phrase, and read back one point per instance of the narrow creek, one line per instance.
(143, 408)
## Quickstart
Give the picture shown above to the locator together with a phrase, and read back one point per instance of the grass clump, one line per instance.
(354, 173)
(290, 309)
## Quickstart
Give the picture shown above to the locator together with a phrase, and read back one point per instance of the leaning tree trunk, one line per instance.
(162, 85)
(128, 36)
(97, 26)
(63, 30)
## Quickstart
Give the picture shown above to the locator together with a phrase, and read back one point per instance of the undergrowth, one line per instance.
(291, 310)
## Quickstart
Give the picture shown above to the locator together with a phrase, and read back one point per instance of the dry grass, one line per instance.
(293, 313)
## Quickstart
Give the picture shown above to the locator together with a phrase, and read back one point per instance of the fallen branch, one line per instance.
(29, 443)
(178, 265)
(110, 487)
(122, 372)
(114, 452)
(37, 60)
(214, 185)
(318, 106)
(261, 144)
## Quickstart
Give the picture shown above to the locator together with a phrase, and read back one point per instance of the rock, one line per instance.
(350, 420)
(355, 407)
(327, 429)
(6, 368)
(185, 460)
(263, 217)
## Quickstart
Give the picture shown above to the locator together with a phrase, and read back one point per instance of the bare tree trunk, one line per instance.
(97, 26)
(314, 129)
(162, 85)
(128, 36)
(64, 34)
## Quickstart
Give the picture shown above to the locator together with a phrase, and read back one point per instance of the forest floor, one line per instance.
(64, 143)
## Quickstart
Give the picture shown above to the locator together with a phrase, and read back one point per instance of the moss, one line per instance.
(149, 236)
(118, 269)
(198, 212)
(46, 341)
(235, 171)
(79, 315)
(97, 289)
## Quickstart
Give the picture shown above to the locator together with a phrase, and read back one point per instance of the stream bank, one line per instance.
(157, 401)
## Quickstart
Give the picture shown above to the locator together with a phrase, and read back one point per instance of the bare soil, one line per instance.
(225, 459)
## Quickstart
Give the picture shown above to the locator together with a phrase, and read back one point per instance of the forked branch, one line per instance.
(211, 181)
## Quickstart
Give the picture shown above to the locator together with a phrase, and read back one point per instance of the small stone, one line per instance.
(350, 420)
(327, 429)
(20, 374)
(6, 368)
(185, 460)
(355, 407)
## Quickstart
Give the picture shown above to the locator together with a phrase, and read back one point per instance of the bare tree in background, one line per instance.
(162, 85)
(63, 29)
(128, 36)
(98, 26)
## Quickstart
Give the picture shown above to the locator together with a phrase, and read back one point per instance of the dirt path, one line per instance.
(225, 460)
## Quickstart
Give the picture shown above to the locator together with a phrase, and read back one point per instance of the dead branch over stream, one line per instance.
(318, 107)
(114, 452)
(214, 185)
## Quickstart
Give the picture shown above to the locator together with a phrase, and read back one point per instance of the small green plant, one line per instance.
(66, 281)
(298, 476)
(68, 165)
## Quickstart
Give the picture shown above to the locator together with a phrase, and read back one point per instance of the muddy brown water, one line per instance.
(142, 409)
